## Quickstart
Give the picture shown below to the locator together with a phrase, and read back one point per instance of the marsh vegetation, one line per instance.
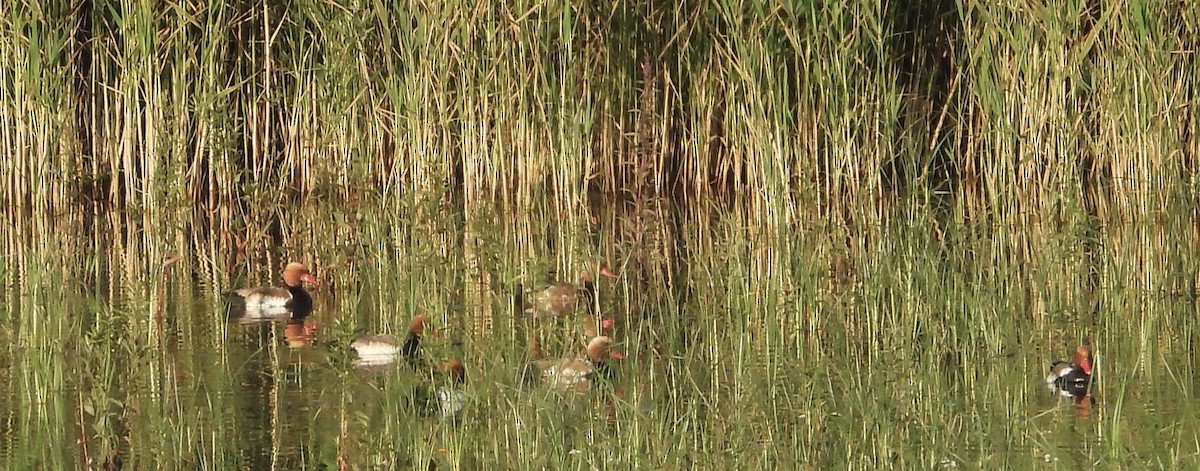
(849, 235)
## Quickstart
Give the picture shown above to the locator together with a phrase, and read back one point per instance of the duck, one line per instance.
(382, 349)
(441, 394)
(269, 302)
(575, 374)
(451, 397)
(561, 299)
(1072, 379)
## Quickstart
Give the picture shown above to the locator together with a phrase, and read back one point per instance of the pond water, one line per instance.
(797, 347)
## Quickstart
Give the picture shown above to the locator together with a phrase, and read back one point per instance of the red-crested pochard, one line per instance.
(561, 299)
(441, 393)
(382, 349)
(265, 302)
(574, 374)
(1072, 379)
(451, 397)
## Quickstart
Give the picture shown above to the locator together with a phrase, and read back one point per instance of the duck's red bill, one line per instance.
(608, 323)
(605, 271)
(617, 355)
(308, 278)
(171, 258)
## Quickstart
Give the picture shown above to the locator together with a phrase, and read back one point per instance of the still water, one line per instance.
(800, 352)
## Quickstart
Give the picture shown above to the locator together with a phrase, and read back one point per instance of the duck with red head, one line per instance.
(442, 393)
(269, 302)
(451, 397)
(1072, 379)
(382, 349)
(575, 374)
(551, 310)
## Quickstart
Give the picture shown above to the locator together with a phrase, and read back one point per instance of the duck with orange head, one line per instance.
(451, 397)
(262, 303)
(1072, 379)
(551, 312)
(575, 374)
(382, 349)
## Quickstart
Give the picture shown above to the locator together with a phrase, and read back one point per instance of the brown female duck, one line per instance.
(562, 298)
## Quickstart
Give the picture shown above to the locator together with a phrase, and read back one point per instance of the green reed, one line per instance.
(845, 233)
(202, 103)
(759, 357)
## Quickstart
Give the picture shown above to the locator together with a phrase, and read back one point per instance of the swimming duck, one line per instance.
(382, 349)
(451, 398)
(574, 374)
(441, 393)
(267, 302)
(1072, 379)
(562, 298)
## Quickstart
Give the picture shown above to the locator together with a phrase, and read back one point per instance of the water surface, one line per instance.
(801, 349)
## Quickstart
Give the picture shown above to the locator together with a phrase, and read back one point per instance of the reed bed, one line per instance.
(850, 235)
(798, 112)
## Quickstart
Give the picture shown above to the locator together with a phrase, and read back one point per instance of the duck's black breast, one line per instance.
(301, 303)
(411, 346)
(603, 370)
(1075, 382)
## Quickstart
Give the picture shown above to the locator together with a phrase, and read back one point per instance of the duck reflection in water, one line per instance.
(299, 334)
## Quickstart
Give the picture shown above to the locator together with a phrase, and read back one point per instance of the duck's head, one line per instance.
(586, 276)
(1083, 358)
(456, 371)
(605, 271)
(295, 273)
(600, 350)
(418, 325)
